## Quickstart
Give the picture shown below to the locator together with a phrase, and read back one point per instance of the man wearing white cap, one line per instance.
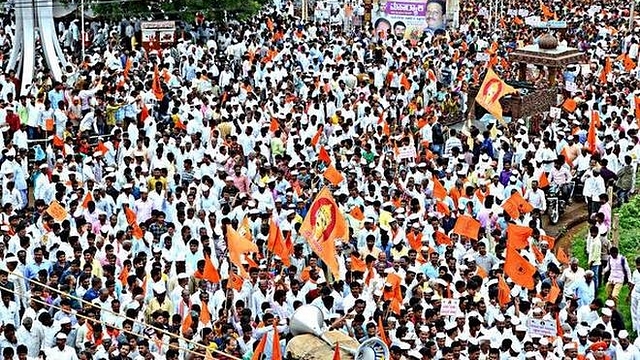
(625, 350)
(61, 350)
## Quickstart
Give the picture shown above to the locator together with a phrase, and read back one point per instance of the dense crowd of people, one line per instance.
(155, 203)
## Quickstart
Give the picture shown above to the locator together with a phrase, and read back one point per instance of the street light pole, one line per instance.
(82, 28)
(632, 15)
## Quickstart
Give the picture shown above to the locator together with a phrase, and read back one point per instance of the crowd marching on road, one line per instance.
(183, 203)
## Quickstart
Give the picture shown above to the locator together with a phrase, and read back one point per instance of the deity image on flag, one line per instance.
(322, 219)
(491, 91)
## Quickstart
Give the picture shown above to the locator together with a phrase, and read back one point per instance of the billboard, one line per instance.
(157, 34)
(408, 18)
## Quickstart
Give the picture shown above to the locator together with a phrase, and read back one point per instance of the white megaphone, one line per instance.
(308, 319)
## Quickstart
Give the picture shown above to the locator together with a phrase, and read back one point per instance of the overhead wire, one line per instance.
(119, 315)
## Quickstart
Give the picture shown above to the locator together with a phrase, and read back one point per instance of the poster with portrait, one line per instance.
(408, 18)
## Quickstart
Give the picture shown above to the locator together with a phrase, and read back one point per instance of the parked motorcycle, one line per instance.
(557, 203)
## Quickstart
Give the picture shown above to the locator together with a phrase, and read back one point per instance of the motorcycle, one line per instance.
(557, 203)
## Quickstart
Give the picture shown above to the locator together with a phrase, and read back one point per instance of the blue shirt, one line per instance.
(31, 271)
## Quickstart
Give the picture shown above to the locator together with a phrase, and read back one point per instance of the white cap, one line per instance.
(61, 336)
(606, 312)
(159, 288)
(623, 334)
(610, 303)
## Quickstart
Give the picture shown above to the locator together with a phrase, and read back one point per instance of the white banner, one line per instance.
(554, 112)
(450, 307)
(542, 328)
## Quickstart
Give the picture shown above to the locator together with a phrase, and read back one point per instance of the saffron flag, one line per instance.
(323, 225)
(442, 239)
(490, 93)
(132, 220)
(127, 67)
(244, 229)
(323, 156)
(543, 180)
(518, 236)
(336, 352)
(276, 352)
(537, 253)
(404, 81)
(606, 69)
(87, 198)
(235, 282)
(124, 275)
(333, 175)
(467, 226)
(186, 324)
(274, 125)
(561, 255)
(210, 272)
(257, 353)
(504, 293)
(591, 137)
(102, 148)
(316, 138)
(439, 192)
(595, 117)
(155, 85)
(519, 269)
(276, 243)
(358, 264)
(383, 333)
(237, 246)
(57, 212)
(57, 141)
(549, 239)
(554, 292)
(144, 112)
(356, 213)
(569, 105)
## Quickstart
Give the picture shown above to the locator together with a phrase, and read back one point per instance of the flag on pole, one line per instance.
(490, 93)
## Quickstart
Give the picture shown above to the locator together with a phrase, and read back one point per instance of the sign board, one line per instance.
(551, 24)
(571, 87)
(542, 328)
(406, 152)
(554, 112)
(158, 34)
(532, 20)
(482, 57)
(450, 307)
(407, 19)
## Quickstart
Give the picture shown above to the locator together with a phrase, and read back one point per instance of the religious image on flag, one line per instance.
(323, 225)
(490, 93)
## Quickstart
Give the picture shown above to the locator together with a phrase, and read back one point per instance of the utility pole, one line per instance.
(632, 15)
(82, 28)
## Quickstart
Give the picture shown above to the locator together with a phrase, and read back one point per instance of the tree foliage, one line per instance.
(185, 10)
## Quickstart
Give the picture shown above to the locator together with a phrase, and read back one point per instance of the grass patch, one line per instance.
(629, 229)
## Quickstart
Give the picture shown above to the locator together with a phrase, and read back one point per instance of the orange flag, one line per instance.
(467, 226)
(323, 156)
(257, 354)
(567, 159)
(518, 21)
(591, 137)
(519, 269)
(316, 138)
(210, 272)
(518, 236)
(127, 67)
(237, 245)
(101, 147)
(562, 256)
(569, 105)
(276, 243)
(442, 208)
(504, 293)
(156, 87)
(132, 220)
(235, 282)
(124, 275)
(553, 293)
(595, 117)
(358, 264)
(333, 175)
(180, 125)
(404, 81)
(606, 69)
(439, 192)
(356, 213)
(490, 93)
(244, 229)
(383, 333)
(144, 112)
(88, 197)
(205, 315)
(543, 180)
(442, 239)
(559, 329)
(186, 324)
(628, 63)
(57, 141)
(537, 253)
(323, 225)
(57, 212)
(637, 103)
(276, 353)
(549, 239)
(336, 352)
(274, 125)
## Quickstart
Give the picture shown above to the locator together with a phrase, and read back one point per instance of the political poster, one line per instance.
(542, 328)
(408, 19)
(449, 307)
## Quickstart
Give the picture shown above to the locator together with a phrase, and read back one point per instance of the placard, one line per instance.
(406, 152)
(542, 328)
(482, 56)
(554, 112)
(449, 307)
(571, 86)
